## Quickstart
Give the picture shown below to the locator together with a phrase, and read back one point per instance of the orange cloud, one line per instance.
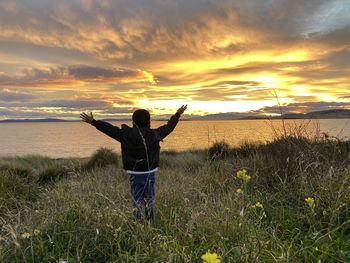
(75, 74)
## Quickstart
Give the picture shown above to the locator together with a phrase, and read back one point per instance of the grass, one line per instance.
(79, 210)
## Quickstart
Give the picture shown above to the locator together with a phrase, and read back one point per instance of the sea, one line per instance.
(79, 139)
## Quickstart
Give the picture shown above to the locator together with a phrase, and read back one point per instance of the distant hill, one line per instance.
(35, 120)
(328, 114)
(226, 116)
(55, 120)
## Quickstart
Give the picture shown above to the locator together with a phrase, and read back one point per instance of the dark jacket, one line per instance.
(139, 153)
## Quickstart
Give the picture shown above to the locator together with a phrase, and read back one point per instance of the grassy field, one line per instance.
(79, 210)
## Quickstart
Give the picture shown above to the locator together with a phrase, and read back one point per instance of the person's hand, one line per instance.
(87, 118)
(182, 109)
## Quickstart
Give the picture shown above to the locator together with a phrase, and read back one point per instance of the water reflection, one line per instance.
(80, 139)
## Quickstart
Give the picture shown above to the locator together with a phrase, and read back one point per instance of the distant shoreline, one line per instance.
(128, 120)
(328, 114)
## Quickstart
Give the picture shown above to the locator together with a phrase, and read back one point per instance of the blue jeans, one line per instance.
(142, 190)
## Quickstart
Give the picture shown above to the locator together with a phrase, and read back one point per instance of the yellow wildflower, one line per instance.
(37, 232)
(242, 174)
(311, 202)
(258, 205)
(211, 258)
(239, 191)
(26, 235)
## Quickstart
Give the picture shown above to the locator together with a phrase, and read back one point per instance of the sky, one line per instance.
(59, 58)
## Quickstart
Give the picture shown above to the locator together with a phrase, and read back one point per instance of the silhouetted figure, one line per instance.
(140, 153)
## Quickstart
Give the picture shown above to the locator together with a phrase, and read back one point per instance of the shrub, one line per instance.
(19, 171)
(219, 150)
(52, 174)
(12, 189)
(101, 158)
(291, 160)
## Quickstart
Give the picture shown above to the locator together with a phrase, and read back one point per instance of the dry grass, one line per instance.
(86, 215)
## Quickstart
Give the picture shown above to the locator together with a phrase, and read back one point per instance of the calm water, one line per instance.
(80, 139)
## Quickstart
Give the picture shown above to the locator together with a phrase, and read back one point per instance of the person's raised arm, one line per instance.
(103, 126)
(166, 129)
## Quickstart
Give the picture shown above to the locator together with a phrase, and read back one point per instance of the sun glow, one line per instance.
(267, 80)
(205, 107)
(192, 66)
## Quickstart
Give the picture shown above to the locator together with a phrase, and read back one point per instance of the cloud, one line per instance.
(96, 103)
(118, 110)
(29, 112)
(73, 74)
(69, 109)
(160, 51)
(136, 29)
(333, 65)
(19, 113)
(74, 104)
(8, 95)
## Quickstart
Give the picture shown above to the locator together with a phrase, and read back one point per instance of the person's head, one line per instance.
(141, 118)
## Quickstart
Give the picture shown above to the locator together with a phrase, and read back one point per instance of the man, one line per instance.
(140, 153)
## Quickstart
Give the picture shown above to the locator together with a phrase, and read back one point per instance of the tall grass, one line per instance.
(85, 215)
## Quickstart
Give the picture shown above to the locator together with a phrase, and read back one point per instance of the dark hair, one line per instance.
(142, 118)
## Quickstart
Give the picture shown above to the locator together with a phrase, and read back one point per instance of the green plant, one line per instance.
(14, 190)
(52, 174)
(101, 158)
(20, 171)
(219, 150)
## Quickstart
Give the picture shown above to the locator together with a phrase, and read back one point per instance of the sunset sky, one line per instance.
(58, 58)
